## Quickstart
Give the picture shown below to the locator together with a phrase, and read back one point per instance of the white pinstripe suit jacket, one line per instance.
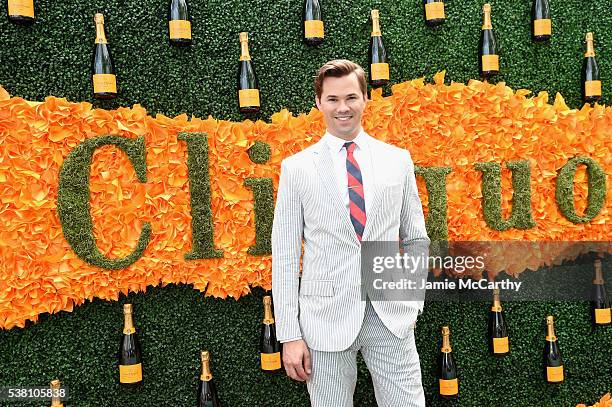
(325, 308)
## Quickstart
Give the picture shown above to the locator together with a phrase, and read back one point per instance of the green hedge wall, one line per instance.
(53, 58)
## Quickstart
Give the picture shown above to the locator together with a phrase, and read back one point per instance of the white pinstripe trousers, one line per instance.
(392, 362)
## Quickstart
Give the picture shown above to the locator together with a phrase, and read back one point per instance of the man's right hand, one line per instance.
(296, 359)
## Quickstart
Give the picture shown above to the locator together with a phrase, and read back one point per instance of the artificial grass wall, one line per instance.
(174, 323)
(53, 58)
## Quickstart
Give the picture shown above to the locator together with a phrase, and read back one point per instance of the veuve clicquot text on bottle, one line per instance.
(207, 392)
(498, 330)
(553, 363)
(447, 370)
(541, 26)
(248, 86)
(591, 85)
(56, 400)
(600, 305)
(379, 68)
(21, 11)
(179, 24)
(434, 12)
(487, 52)
(102, 67)
(270, 348)
(130, 354)
(313, 22)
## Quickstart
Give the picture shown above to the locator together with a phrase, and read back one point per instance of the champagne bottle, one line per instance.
(21, 12)
(313, 23)
(498, 330)
(130, 355)
(379, 68)
(489, 60)
(248, 87)
(591, 85)
(434, 12)
(207, 392)
(56, 400)
(270, 348)
(447, 370)
(102, 68)
(541, 28)
(600, 306)
(553, 363)
(179, 24)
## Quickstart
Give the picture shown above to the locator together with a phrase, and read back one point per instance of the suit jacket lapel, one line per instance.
(325, 168)
(377, 190)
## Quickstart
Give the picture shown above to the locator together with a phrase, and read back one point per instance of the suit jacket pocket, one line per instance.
(321, 288)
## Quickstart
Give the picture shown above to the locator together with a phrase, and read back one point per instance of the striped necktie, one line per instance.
(355, 189)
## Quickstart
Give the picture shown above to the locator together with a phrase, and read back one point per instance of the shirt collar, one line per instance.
(335, 144)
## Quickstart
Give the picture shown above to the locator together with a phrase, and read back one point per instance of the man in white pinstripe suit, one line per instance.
(347, 188)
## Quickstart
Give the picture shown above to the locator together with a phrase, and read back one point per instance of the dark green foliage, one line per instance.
(199, 188)
(565, 189)
(259, 152)
(176, 322)
(73, 200)
(435, 181)
(53, 56)
(520, 217)
(263, 193)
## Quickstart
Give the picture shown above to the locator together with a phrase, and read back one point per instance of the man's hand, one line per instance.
(296, 359)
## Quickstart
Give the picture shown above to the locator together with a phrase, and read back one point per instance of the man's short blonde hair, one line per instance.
(337, 69)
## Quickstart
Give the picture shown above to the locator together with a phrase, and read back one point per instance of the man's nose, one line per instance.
(342, 106)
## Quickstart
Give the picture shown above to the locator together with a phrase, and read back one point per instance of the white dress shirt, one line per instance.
(363, 156)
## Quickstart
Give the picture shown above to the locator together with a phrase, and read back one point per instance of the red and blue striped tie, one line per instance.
(355, 189)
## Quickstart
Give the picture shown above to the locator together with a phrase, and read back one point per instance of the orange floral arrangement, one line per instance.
(454, 125)
(605, 401)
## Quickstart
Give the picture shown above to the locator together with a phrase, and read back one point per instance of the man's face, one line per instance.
(342, 105)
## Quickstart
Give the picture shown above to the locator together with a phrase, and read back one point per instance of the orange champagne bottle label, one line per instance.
(434, 10)
(542, 27)
(592, 88)
(501, 345)
(270, 361)
(603, 316)
(180, 29)
(104, 82)
(490, 62)
(130, 373)
(313, 29)
(554, 373)
(449, 387)
(379, 71)
(248, 97)
(21, 8)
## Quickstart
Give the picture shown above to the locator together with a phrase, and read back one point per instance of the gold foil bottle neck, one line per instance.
(550, 328)
(268, 315)
(446, 346)
(598, 273)
(55, 387)
(496, 302)
(486, 22)
(100, 35)
(590, 49)
(128, 322)
(206, 375)
(244, 47)
(376, 24)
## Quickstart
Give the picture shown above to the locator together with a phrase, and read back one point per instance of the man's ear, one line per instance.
(365, 98)
(318, 102)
